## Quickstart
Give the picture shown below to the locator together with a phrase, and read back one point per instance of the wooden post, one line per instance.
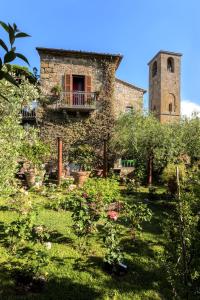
(59, 160)
(150, 170)
(105, 163)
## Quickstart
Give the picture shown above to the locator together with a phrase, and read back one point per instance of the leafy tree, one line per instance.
(145, 139)
(12, 134)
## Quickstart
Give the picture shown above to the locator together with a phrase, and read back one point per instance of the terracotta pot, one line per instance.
(80, 177)
(30, 177)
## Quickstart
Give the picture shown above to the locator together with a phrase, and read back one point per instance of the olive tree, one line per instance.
(145, 139)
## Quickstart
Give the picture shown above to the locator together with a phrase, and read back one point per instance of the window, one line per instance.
(172, 103)
(170, 107)
(170, 65)
(154, 69)
(78, 83)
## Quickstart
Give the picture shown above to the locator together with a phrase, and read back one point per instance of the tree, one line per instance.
(12, 134)
(145, 139)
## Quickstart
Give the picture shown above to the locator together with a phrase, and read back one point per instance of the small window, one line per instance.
(154, 108)
(129, 109)
(170, 65)
(154, 69)
(170, 107)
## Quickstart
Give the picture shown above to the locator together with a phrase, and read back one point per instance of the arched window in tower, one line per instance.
(172, 103)
(170, 65)
(154, 69)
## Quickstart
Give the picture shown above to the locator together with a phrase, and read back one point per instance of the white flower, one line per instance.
(48, 245)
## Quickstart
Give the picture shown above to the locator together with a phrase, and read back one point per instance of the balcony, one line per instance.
(76, 101)
(28, 114)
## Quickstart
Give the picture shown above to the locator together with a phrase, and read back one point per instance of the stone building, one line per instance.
(164, 86)
(82, 79)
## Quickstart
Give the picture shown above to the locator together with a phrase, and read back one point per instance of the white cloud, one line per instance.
(188, 107)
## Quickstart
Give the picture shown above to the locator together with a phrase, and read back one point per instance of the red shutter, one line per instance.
(68, 88)
(88, 88)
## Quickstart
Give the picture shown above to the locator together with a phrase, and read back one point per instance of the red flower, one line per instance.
(113, 215)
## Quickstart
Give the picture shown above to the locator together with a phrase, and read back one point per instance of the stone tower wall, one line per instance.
(164, 87)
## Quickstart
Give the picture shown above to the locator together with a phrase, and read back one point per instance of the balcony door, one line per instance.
(78, 90)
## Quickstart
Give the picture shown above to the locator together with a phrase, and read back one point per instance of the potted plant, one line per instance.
(56, 90)
(33, 152)
(82, 156)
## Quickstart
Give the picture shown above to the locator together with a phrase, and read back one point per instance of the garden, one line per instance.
(104, 235)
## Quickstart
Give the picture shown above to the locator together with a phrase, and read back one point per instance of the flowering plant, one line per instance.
(113, 215)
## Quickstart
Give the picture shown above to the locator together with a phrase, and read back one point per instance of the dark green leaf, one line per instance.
(3, 45)
(21, 56)
(2, 96)
(4, 26)
(15, 27)
(11, 34)
(22, 34)
(10, 56)
(1, 63)
(8, 77)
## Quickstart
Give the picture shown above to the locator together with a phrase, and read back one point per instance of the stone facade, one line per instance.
(164, 86)
(55, 64)
(127, 97)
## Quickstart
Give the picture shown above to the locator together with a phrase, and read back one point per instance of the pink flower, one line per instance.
(85, 195)
(113, 215)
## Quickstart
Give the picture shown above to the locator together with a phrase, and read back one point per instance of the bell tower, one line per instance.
(164, 86)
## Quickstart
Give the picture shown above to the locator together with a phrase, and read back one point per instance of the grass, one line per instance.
(74, 274)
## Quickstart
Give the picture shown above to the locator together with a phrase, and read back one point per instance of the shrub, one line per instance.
(169, 176)
(102, 190)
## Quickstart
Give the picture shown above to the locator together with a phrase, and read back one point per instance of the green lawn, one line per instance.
(74, 274)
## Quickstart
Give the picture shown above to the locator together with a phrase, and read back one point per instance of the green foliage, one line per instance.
(102, 190)
(169, 176)
(83, 156)
(57, 89)
(11, 132)
(141, 137)
(24, 239)
(33, 149)
(112, 237)
(135, 215)
(182, 249)
(10, 52)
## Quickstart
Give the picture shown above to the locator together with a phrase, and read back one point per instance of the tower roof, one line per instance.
(165, 52)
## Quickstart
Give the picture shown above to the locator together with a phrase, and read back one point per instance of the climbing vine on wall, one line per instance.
(92, 130)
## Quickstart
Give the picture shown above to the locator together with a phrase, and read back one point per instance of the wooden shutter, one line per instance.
(88, 88)
(68, 88)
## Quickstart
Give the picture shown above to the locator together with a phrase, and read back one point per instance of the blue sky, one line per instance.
(138, 29)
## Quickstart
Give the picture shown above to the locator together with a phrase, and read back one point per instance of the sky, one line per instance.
(137, 29)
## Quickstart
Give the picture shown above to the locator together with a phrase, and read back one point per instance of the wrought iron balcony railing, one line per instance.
(76, 99)
(28, 114)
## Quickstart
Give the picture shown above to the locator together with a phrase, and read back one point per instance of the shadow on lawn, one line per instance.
(57, 237)
(139, 277)
(56, 288)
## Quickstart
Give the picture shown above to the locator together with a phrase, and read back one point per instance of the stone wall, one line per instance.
(54, 67)
(127, 95)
